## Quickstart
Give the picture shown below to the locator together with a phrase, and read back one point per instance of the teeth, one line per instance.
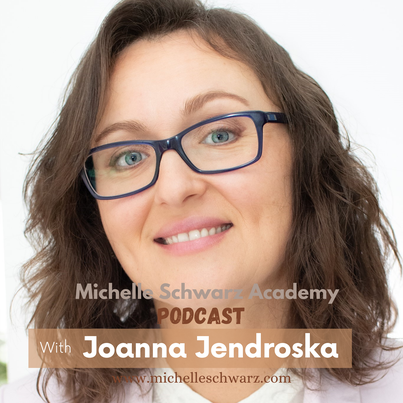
(195, 234)
(183, 237)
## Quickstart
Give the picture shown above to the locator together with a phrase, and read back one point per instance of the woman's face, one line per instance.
(162, 84)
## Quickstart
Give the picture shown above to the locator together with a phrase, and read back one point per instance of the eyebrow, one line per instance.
(128, 125)
(191, 106)
(198, 101)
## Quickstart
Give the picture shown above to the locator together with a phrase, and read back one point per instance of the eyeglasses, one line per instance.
(220, 144)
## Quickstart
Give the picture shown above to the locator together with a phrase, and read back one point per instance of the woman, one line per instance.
(270, 197)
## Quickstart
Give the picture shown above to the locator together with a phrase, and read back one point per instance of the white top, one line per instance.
(388, 388)
(292, 392)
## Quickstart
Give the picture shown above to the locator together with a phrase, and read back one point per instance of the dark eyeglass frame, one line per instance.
(174, 143)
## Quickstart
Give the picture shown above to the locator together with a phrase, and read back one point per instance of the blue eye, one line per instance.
(219, 137)
(128, 159)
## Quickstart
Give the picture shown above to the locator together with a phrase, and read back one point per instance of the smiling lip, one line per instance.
(191, 230)
(193, 234)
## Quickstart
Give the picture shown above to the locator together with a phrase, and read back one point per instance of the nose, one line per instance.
(176, 181)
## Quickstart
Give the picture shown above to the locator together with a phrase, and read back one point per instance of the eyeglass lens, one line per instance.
(219, 145)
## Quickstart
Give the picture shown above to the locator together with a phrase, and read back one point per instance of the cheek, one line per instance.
(276, 194)
(263, 199)
(276, 175)
(123, 220)
(263, 190)
(269, 204)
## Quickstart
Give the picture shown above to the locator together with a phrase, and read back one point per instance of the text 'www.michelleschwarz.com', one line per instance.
(194, 377)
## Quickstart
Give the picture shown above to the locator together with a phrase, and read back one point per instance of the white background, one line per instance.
(353, 48)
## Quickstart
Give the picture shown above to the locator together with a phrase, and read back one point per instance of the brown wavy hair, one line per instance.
(340, 237)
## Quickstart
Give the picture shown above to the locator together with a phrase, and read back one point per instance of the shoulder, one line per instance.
(387, 385)
(25, 390)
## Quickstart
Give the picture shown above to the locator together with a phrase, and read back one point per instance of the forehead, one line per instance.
(179, 57)
(153, 79)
